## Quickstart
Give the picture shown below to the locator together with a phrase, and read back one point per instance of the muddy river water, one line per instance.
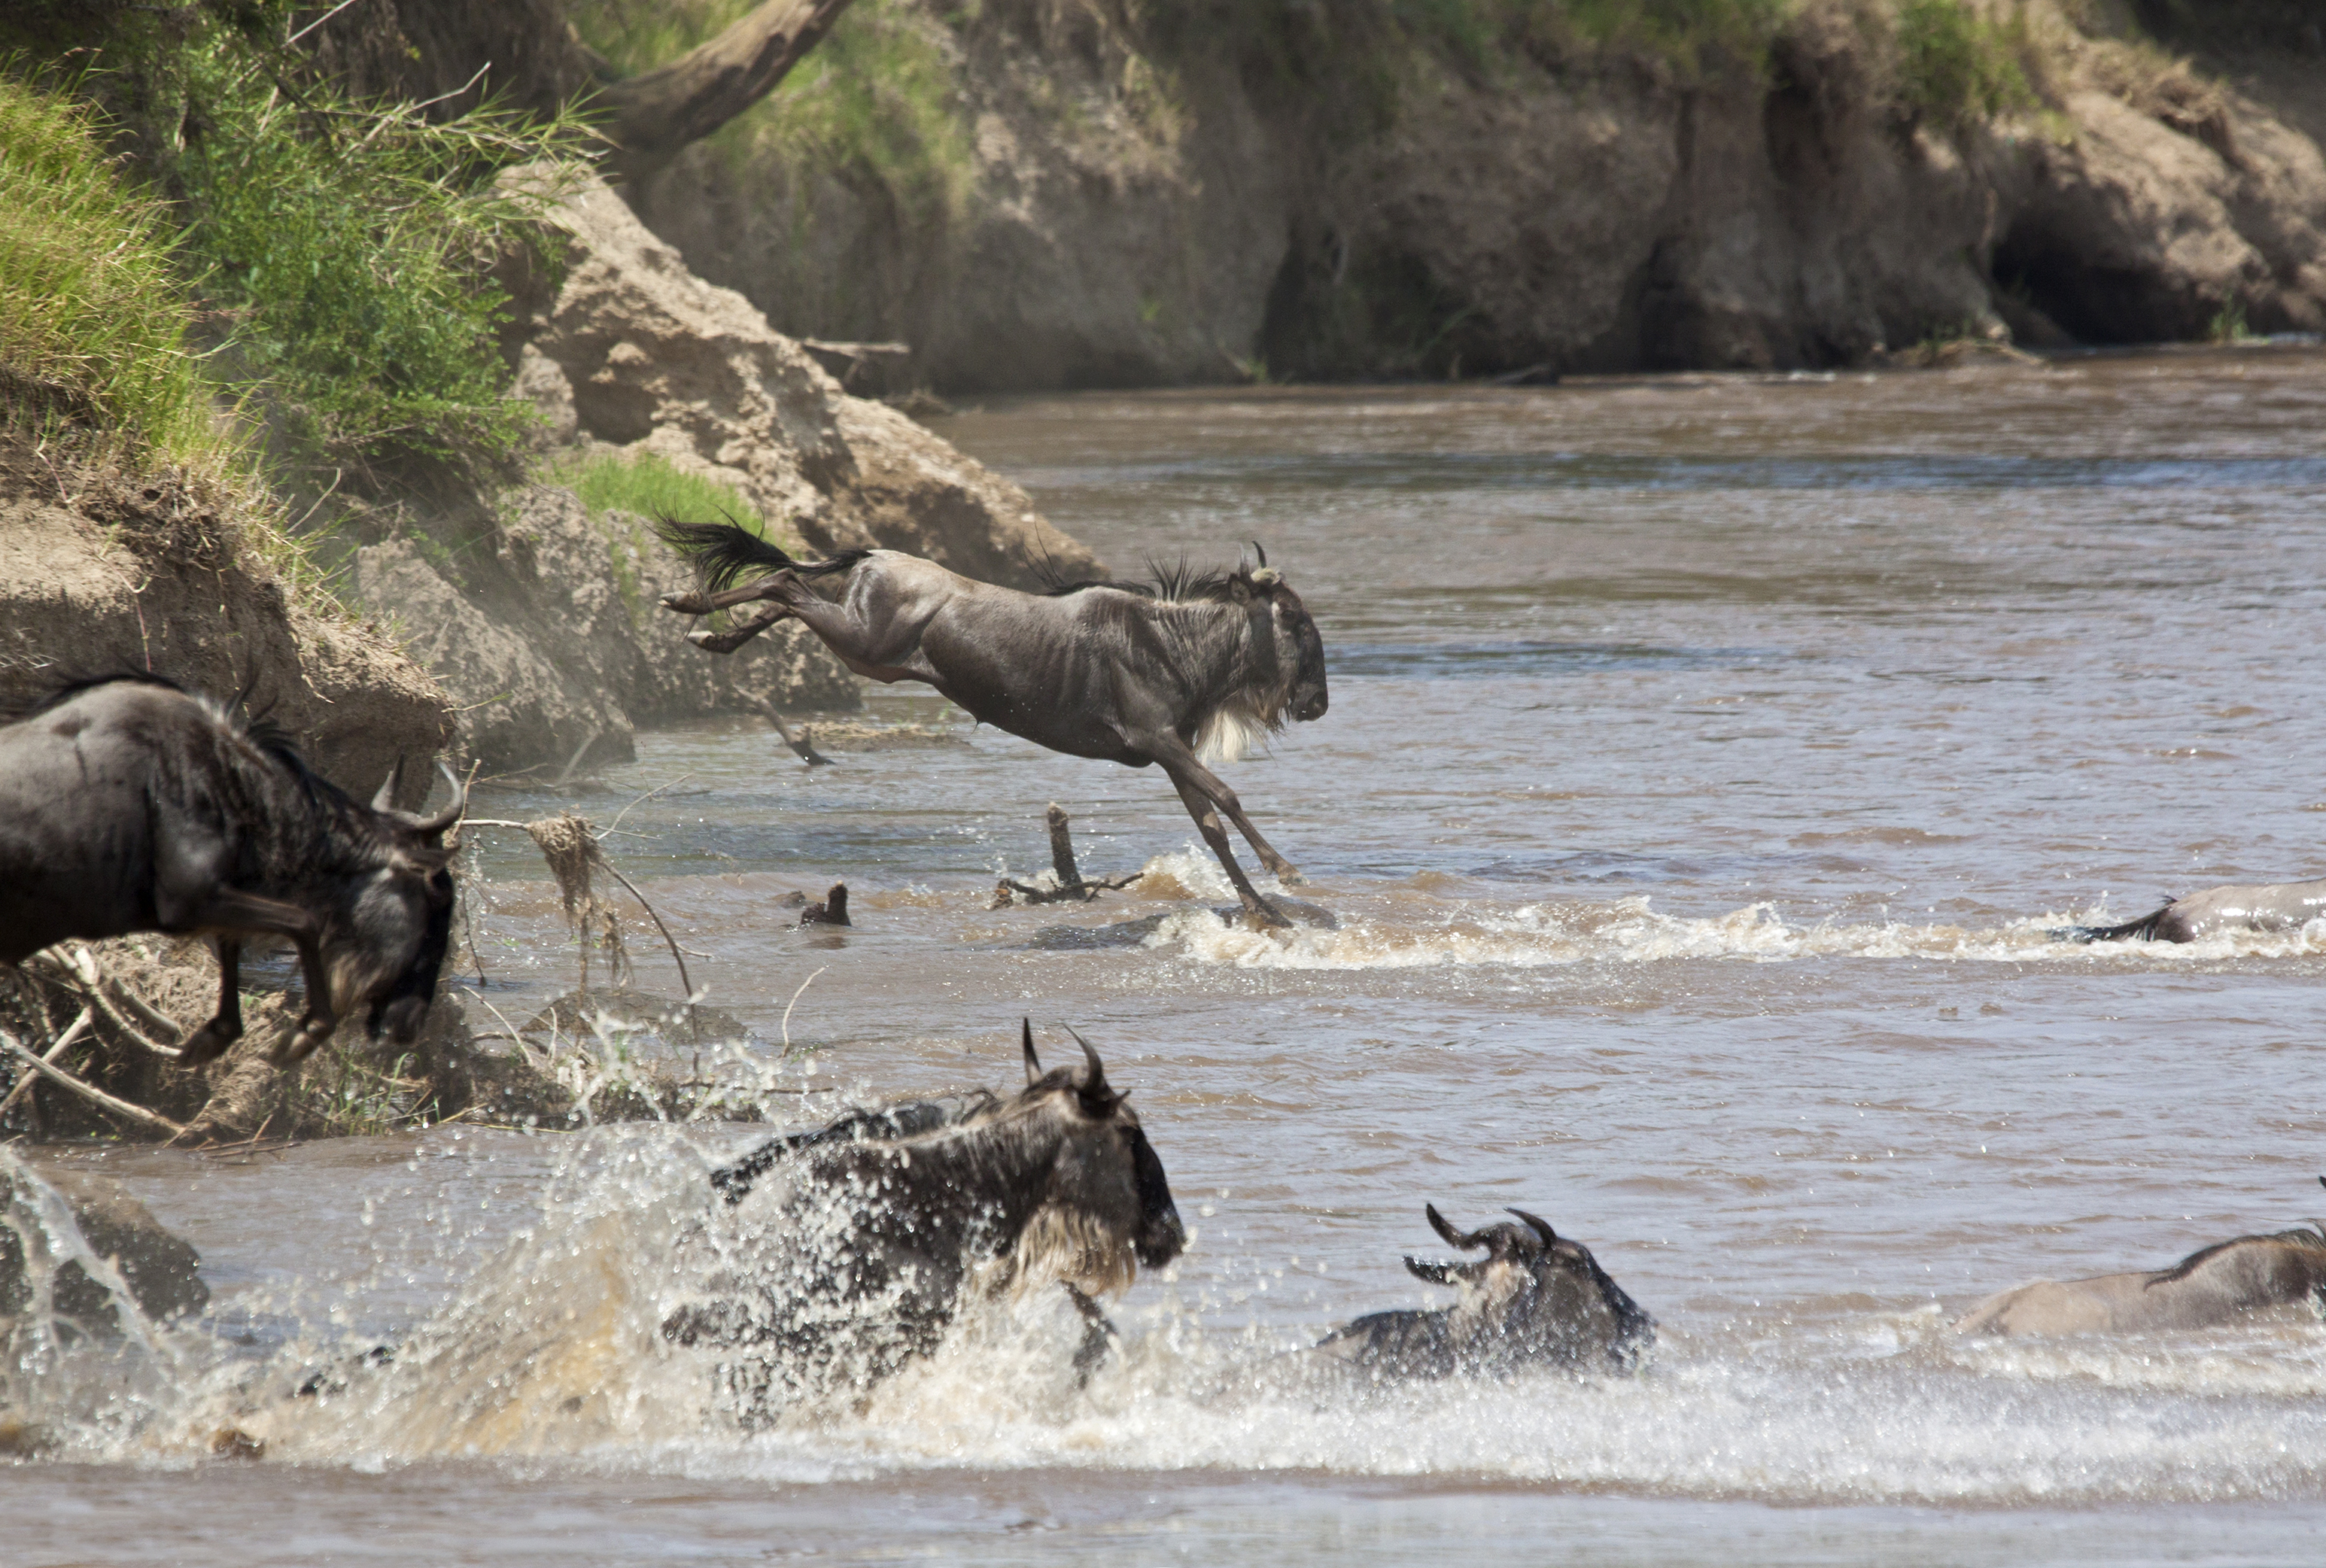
(1709, 759)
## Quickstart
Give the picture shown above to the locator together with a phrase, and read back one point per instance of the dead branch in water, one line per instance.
(1070, 883)
(90, 1093)
(799, 743)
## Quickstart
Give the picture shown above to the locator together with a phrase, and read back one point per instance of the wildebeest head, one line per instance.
(1106, 1200)
(1299, 649)
(1536, 1291)
(389, 942)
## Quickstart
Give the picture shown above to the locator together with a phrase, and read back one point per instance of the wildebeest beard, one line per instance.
(842, 1254)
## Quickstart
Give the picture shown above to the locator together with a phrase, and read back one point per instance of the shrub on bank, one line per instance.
(94, 315)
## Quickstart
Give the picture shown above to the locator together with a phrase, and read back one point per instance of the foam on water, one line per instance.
(1418, 932)
(552, 1350)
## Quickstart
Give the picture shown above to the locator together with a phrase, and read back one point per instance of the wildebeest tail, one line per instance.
(2141, 930)
(725, 551)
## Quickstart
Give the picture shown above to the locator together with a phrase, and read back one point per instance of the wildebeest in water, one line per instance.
(1535, 1299)
(2260, 906)
(1181, 674)
(839, 1255)
(130, 804)
(2213, 1285)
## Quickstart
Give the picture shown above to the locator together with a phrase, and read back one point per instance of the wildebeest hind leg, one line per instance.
(736, 635)
(209, 1042)
(1207, 822)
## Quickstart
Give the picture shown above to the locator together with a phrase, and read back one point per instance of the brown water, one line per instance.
(1708, 758)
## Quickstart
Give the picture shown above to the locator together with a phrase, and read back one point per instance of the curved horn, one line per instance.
(1033, 1063)
(385, 800)
(1260, 549)
(453, 811)
(1540, 1226)
(1437, 1222)
(1094, 1086)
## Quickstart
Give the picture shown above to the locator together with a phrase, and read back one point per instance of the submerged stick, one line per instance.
(799, 743)
(683, 979)
(1069, 875)
(90, 1093)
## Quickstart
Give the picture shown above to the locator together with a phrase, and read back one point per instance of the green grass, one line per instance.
(647, 485)
(1957, 65)
(94, 316)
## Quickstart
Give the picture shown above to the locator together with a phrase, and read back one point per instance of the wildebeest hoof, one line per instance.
(1290, 876)
(302, 1044)
(688, 603)
(726, 641)
(206, 1045)
(1263, 916)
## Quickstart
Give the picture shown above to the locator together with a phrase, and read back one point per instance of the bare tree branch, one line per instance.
(657, 112)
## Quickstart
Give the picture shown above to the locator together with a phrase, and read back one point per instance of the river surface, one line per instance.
(1708, 760)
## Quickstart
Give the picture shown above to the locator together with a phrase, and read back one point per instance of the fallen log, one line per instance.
(1063, 868)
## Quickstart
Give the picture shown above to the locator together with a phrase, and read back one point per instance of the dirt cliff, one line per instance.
(101, 572)
(1105, 201)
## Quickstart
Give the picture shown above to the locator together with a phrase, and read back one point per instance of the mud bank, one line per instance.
(1103, 203)
(101, 572)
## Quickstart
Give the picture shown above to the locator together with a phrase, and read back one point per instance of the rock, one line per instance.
(100, 573)
(1586, 207)
(658, 360)
(160, 1270)
(559, 651)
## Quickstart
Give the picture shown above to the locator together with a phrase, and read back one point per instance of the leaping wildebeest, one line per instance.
(841, 1254)
(1182, 674)
(2259, 906)
(129, 804)
(2213, 1285)
(1535, 1299)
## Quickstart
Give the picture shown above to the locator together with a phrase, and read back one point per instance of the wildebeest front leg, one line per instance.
(1207, 822)
(209, 1042)
(234, 916)
(1177, 757)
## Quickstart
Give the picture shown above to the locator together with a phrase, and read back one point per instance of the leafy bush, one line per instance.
(93, 315)
(1956, 65)
(348, 247)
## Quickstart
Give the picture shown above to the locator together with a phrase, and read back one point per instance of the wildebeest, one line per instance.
(1535, 1299)
(2213, 1285)
(129, 804)
(1184, 674)
(2261, 906)
(847, 1251)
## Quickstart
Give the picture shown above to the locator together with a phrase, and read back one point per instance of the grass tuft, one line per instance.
(1957, 65)
(94, 317)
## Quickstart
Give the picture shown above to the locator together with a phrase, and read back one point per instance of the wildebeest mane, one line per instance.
(1178, 583)
(2309, 1239)
(725, 551)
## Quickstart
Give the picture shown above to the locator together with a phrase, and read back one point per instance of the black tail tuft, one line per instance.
(721, 551)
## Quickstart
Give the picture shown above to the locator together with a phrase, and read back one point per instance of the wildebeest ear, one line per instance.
(1435, 1272)
(1033, 1063)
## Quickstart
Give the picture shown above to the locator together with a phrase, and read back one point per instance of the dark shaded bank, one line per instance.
(1038, 196)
